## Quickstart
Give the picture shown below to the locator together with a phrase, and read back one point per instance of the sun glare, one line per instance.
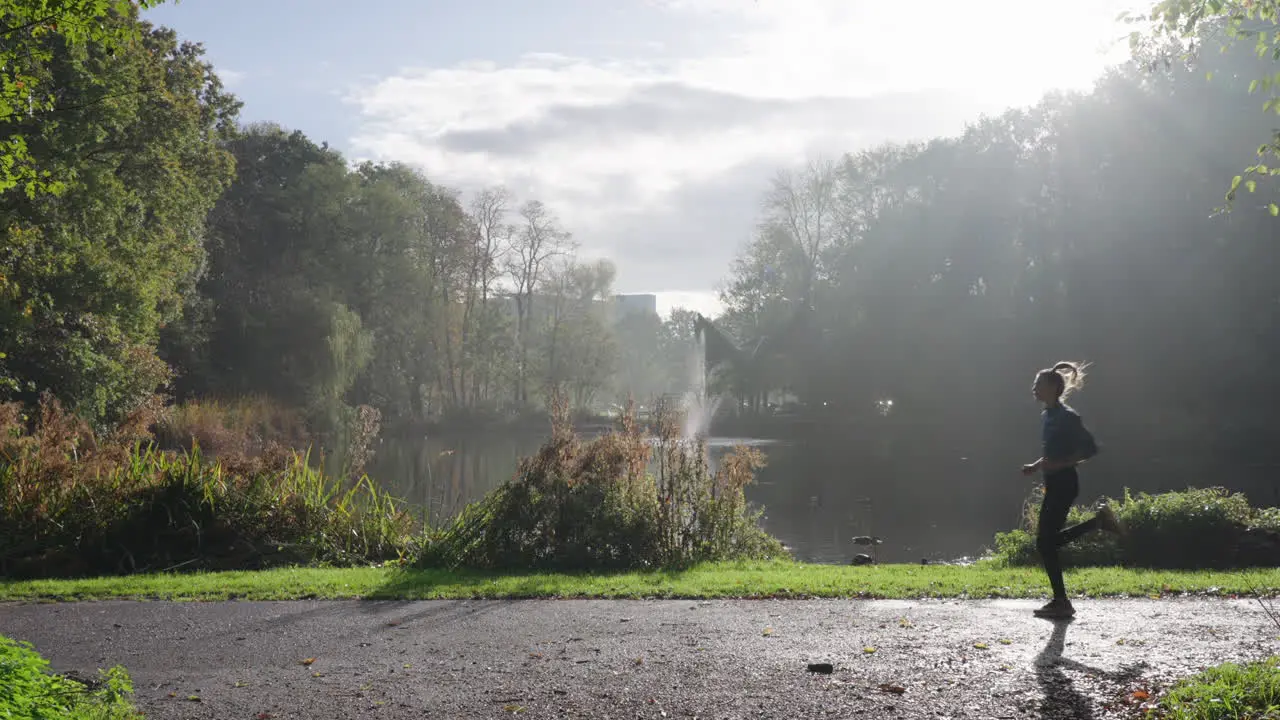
(1009, 51)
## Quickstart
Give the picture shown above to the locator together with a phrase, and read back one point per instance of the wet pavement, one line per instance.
(642, 659)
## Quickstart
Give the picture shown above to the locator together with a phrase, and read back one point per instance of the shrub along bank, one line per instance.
(77, 503)
(1195, 529)
(595, 505)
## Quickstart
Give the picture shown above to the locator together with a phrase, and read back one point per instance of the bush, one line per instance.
(250, 427)
(1226, 691)
(588, 505)
(29, 692)
(1199, 528)
(73, 503)
(242, 427)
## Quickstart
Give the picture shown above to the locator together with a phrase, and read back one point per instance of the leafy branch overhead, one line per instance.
(1179, 28)
(32, 33)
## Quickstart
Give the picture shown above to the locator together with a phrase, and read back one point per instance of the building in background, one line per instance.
(636, 303)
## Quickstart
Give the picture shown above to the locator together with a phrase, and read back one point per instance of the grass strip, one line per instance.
(719, 580)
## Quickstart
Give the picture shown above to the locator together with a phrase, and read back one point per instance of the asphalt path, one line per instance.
(642, 659)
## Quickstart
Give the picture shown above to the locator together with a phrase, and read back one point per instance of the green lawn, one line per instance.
(1226, 692)
(730, 580)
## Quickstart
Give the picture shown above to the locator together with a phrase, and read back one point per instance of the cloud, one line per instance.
(658, 162)
(231, 78)
(707, 303)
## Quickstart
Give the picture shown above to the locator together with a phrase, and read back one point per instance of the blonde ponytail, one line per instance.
(1072, 374)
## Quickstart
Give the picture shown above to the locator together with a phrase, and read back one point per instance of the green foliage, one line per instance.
(1225, 692)
(28, 691)
(322, 286)
(34, 32)
(1194, 529)
(1184, 26)
(87, 279)
(73, 502)
(374, 285)
(594, 505)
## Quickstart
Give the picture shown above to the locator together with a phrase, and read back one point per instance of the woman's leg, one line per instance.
(1059, 492)
(1104, 519)
(1076, 531)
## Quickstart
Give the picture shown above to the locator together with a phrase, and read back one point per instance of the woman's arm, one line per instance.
(1055, 465)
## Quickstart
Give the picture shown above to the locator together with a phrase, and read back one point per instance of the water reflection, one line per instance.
(817, 494)
(810, 504)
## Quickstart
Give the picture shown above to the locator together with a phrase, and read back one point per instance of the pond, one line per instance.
(816, 495)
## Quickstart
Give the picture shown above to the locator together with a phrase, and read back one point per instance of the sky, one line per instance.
(650, 127)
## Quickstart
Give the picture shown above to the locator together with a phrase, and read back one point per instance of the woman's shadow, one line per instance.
(1061, 697)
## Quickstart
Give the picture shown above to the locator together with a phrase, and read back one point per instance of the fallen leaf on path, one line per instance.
(904, 623)
(173, 694)
(408, 665)
(193, 698)
(891, 688)
(317, 674)
(1140, 695)
(240, 683)
(1006, 641)
(306, 661)
(868, 650)
(768, 631)
(513, 709)
(980, 646)
(639, 661)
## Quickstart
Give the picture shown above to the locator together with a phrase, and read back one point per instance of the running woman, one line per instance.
(1066, 443)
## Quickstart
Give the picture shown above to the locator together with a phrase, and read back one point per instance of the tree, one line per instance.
(579, 353)
(33, 33)
(88, 279)
(266, 276)
(1179, 28)
(802, 207)
(1068, 229)
(481, 321)
(391, 269)
(538, 240)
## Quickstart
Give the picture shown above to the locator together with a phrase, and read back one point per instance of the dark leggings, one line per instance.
(1060, 491)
